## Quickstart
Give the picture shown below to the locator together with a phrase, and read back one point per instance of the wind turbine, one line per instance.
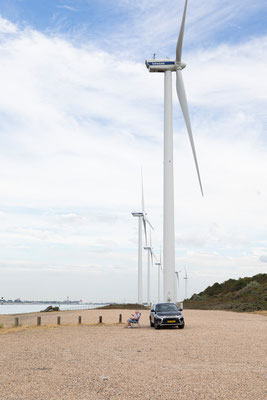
(168, 66)
(185, 283)
(150, 255)
(178, 284)
(159, 271)
(142, 220)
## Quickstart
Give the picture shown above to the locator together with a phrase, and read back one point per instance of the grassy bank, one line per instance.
(243, 294)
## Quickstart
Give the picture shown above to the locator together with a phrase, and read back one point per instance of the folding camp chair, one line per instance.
(136, 322)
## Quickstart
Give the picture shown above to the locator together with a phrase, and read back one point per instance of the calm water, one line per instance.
(28, 308)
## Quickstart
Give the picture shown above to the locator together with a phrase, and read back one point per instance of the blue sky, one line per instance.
(57, 16)
(102, 20)
(79, 116)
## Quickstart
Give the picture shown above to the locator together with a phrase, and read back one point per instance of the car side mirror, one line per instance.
(152, 310)
(180, 309)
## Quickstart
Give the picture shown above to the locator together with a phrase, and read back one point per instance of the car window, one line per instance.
(166, 307)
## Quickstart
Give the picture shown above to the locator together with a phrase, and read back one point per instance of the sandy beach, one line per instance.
(219, 355)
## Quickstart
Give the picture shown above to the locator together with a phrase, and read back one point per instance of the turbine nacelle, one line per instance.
(164, 65)
(137, 214)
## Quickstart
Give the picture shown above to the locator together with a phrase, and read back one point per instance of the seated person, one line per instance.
(133, 319)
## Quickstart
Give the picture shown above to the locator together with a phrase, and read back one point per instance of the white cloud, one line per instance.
(78, 122)
(263, 259)
(7, 27)
(66, 7)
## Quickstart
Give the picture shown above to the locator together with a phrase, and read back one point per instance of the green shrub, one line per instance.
(243, 294)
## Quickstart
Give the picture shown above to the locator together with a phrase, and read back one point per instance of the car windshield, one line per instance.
(166, 307)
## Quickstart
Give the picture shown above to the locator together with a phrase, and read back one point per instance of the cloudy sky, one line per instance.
(80, 115)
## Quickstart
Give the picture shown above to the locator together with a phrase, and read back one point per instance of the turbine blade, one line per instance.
(161, 266)
(183, 103)
(154, 255)
(148, 222)
(151, 256)
(179, 45)
(144, 223)
(177, 275)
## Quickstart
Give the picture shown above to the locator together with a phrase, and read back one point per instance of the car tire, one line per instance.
(181, 326)
(151, 323)
(156, 325)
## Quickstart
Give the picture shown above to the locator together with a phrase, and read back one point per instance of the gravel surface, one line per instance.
(219, 355)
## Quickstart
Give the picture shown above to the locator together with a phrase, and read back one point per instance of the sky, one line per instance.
(80, 116)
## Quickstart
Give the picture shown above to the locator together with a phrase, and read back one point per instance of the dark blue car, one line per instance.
(166, 314)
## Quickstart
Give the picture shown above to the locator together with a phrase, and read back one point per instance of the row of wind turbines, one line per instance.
(167, 66)
(152, 259)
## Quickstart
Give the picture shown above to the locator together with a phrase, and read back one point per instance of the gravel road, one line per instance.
(219, 355)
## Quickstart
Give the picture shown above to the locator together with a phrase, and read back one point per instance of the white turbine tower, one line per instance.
(168, 66)
(185, 283)
(142, 220)
(159, 280)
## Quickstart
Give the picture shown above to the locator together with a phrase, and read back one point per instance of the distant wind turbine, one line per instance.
(185, 283)
(142, 220)
(168, 66)
(178, 284)
(150, 256)
(159, 265)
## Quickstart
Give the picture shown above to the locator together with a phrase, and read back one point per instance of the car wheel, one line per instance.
(181, 326)
(156, 325)
(151, 323)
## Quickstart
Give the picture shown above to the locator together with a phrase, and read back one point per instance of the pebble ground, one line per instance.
(219, 355)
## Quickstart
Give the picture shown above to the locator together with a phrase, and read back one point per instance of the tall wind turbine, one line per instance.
(169, 66)
(159, 265)
(142, 220)
(185, 283)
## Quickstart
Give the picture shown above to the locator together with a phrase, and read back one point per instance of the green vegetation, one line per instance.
(124, 307)
(243, 294)
(2, 326)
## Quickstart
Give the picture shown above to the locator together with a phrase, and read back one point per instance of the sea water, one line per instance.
(29, 308)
